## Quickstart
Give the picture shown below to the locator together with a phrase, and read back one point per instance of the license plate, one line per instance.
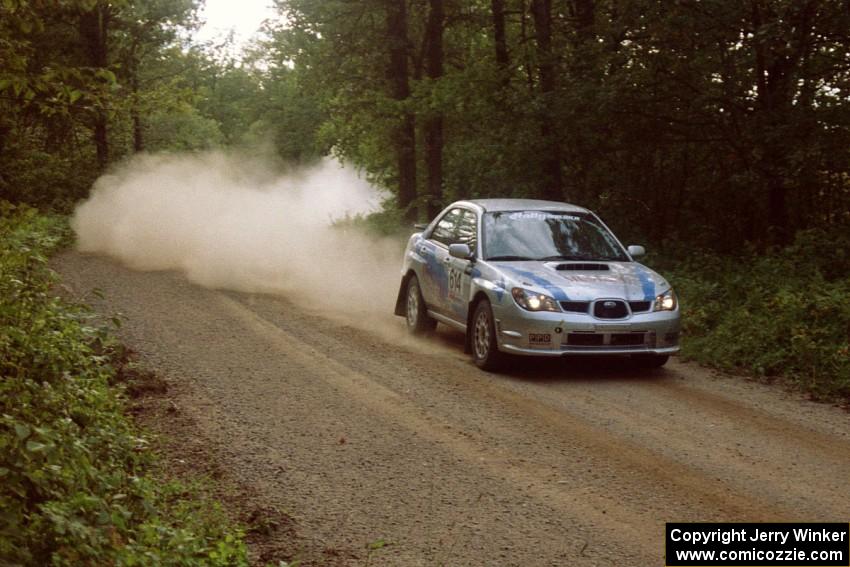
(612, 328)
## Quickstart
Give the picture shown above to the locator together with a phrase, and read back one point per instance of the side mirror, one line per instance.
(636, 251)
(461, 251)
(420, 226)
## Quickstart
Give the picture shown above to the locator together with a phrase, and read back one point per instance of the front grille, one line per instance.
(585, 339)
(610, 309)
(638, 306)
(575, 306)
(583, 267)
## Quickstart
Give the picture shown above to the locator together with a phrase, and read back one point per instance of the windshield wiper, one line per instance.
(508, 258)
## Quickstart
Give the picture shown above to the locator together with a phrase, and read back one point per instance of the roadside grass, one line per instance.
(782, 315)
(76, 478)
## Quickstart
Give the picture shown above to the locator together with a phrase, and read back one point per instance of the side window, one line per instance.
(467, 230)
(447, 227)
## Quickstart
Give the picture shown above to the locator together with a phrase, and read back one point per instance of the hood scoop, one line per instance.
(582, 267)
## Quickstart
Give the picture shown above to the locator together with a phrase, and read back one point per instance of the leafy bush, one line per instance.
(56, 178)
(73, 482)
(784, 314)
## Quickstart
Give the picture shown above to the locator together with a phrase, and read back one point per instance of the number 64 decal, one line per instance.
(454, 282)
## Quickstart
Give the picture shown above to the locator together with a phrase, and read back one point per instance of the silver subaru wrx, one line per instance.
(536, 278)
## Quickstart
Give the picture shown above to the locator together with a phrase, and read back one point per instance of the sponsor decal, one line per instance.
(539, 339)
(540, 215)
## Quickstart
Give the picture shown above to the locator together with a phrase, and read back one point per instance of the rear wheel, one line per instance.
(652, 360)
(416, 313)
(485, 350)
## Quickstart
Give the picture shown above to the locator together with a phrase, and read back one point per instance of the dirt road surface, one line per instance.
(366, 436)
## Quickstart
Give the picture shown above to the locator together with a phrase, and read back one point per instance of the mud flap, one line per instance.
(467, 340)
(400, 302)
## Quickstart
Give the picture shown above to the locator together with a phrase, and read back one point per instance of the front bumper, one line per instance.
(562, 333)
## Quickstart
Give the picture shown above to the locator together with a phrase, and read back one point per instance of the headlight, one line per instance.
(531, 301)
(666, 301)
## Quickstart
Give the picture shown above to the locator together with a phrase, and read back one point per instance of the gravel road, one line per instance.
(367, 436)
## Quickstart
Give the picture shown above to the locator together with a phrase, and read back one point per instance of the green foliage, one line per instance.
(33, 175)
(784, 314)
(74, 488)
(78, 82)
(183, 129)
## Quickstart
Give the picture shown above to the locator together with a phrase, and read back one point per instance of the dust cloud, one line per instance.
(228, 222)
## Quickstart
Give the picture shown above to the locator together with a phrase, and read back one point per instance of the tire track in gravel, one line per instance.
(362, 435)
(769, 459)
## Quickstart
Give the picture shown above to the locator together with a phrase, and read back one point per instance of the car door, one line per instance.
(460, 269)
(435, 251)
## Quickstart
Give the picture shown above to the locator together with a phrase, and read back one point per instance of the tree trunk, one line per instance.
(135, 113)
(404, 138)
(774, 102)
(541, 11)
(582, 64)
(777, 211)
(101, 139)
(94, 25)
(500, 39)
(585, 20)
(434, 123)
(524, 40)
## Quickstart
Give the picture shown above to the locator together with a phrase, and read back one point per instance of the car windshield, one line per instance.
(548, 235)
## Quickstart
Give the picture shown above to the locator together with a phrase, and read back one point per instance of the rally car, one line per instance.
(538, 278)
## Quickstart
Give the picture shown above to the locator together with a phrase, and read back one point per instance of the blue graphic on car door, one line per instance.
(432, 271)
(442, 273)
(437, 261)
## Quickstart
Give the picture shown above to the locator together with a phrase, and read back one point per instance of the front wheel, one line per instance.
(485, 350)
(416, 313)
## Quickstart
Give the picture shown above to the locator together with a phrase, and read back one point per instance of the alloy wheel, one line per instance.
(482, 335)
(412, 305)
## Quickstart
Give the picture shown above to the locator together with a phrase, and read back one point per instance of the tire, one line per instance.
(485, 349)
(416, 313)
(652, 360)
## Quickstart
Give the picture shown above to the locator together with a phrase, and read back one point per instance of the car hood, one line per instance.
(583, 281)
